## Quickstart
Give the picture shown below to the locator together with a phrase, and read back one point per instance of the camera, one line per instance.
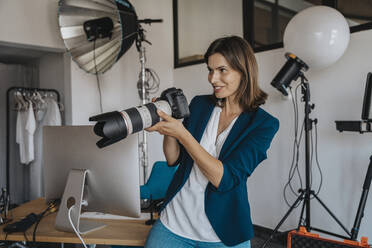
(115, 126)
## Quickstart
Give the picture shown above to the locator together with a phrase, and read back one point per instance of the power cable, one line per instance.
(296, 145)
(97, 77)
(152, 83)
(52, 207)
(317, 161)
(73, 226)
(294, 169)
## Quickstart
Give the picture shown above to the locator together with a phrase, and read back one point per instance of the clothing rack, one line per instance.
(22, 89)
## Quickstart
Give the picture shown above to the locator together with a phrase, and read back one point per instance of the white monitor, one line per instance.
(79, 172)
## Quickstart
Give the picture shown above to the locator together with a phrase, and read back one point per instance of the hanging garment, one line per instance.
(25, 129)
(20, 133)
(50, 116)
(22, 76)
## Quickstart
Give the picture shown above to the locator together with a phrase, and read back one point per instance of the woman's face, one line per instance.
(224, 79)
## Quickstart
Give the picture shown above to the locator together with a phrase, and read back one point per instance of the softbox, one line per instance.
(97, 32)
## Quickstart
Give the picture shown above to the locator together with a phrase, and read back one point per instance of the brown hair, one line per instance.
(240, 57)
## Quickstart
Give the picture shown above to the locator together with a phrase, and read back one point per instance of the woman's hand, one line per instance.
(168, 126)
(171, 147)
(174, 130)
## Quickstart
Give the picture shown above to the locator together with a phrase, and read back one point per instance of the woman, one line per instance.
(217, 148)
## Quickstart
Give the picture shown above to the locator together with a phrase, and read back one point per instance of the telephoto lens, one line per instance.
(115, 126)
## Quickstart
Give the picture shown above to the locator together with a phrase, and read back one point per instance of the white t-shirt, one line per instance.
(25, 129)
(185, 213)
(52, 116)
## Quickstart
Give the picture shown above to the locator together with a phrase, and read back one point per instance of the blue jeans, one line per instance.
(161, 237)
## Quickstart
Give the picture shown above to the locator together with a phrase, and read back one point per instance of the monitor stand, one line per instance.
(73, 196)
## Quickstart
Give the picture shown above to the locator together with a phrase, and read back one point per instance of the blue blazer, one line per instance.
(227, 206)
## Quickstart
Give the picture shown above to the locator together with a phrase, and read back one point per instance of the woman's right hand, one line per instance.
(171, 148)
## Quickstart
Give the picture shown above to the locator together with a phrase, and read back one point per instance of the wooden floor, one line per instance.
(257, 242)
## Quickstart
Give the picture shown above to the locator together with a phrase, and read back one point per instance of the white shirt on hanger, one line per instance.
(52, 116)
(25, 129)
(185, 214)
(20, 133)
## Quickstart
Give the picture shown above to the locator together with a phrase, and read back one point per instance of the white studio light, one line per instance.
(314, 38)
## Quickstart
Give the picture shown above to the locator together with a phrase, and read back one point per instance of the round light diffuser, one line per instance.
(318, 35)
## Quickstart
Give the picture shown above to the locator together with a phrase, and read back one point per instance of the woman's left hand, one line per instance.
(168, 126)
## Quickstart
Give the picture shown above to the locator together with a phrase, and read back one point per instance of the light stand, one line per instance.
(307, 193)
(142, 146)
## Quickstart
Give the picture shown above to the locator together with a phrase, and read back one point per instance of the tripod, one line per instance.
(307, 193)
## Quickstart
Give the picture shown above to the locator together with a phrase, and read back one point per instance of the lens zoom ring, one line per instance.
(154, 116)
(136, 119)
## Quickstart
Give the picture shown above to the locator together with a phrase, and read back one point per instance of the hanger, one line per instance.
(52, 96)
(27, 95)
(38, 100)
(21, 103)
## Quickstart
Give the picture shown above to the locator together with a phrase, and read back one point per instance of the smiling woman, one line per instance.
(234, 58)
(224, 79)
(218, 147)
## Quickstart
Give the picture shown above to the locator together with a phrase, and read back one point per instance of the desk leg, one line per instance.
(62, 245)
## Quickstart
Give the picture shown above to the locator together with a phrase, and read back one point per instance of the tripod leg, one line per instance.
(362, 202)
(302, 214)
(299, 198)
(330, 213)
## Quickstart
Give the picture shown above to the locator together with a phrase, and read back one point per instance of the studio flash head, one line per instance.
(115, 126)
(291, 70)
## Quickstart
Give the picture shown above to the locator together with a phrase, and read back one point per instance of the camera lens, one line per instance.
(141, 117)
(115, 126)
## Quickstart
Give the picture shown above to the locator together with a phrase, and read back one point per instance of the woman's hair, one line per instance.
(240, 57)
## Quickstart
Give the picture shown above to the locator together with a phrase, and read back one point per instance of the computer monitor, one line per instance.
(78, 172)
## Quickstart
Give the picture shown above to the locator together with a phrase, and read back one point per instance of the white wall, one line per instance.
(221, 19)
(54, 73)
(30, 24)
(344, 157)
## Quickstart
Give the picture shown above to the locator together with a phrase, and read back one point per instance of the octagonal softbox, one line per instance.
(97, 32)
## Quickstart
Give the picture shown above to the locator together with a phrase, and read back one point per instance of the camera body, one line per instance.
(177, 101)
(115, 126)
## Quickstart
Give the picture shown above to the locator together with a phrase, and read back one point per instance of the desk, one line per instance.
(117, 232)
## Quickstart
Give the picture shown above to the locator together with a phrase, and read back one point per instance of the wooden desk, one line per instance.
(117, 232)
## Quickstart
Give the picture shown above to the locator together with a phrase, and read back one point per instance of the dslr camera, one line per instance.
(115, 126)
